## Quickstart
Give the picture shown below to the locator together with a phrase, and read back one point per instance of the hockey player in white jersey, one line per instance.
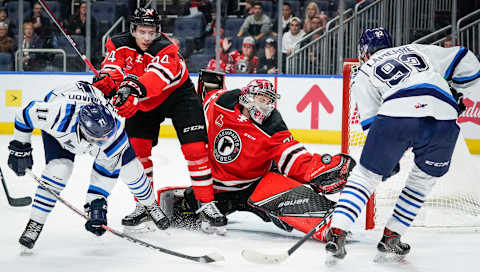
(76, 119)
(407, 96)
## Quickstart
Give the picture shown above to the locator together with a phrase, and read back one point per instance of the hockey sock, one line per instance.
(354, 197)
(56, 174)
(410, 200)
(196, 155)
(102, 182)
(138, 183)
(143, 150)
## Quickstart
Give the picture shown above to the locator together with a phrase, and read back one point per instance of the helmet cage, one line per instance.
(259, 111)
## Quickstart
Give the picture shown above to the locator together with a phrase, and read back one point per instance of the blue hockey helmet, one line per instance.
(96, 123)
(372, 40)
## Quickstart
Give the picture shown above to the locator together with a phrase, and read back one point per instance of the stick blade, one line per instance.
(261, 258)
(20, 202)
(211, 258)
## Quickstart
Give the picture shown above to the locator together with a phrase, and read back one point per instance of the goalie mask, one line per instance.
(96, 124)
(259, 98)
(373, 40)
(145, 17)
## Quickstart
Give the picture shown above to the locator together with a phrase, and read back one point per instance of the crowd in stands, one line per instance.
(249, 33)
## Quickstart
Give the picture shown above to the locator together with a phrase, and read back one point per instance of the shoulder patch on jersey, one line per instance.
(124, 39)
(229, 99)
(158, 45)
(273, 124)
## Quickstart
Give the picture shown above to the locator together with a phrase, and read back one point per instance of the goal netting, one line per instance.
(455, 198)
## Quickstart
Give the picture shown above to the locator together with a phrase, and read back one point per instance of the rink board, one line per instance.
(310, 104)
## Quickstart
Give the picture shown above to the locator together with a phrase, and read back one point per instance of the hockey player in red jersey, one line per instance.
(148, 79)
(236, 62)
(257, 166)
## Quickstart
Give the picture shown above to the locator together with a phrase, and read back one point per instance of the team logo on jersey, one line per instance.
(219, 120)
(139, 59)
(420, 105)
(227, 146)
(129, 63)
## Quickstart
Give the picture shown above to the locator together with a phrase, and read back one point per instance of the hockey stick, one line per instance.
(68, 37)
(261, 258)
(15, 202)
(209, 258)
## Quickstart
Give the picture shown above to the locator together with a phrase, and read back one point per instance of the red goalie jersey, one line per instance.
(242, 151)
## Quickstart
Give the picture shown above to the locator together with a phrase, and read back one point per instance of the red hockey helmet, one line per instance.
(259, 98)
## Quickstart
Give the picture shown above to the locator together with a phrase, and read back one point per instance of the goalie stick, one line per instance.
(209, 258)
(262, 258)
(14, 202)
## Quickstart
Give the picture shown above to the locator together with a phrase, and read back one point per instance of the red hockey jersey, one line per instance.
(161, 69)
(242, 151)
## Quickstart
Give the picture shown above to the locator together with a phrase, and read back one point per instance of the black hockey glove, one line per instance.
(459, 98)
(20, 157)
(97, 212)
(394, 172)
(130, 86)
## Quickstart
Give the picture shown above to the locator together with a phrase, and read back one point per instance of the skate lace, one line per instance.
(155, 212)
(33, 230)
(139, 209)
(210, 209)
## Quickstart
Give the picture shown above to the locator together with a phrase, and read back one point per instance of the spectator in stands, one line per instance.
(267, 64)
(41, 24)
(294, 35)
(77, 24)
(257, 25)
(311, 11)
(287, 15)
(31, 61)
(316, 24)
(448, 42)
(4, 19)
(193, 7)
(211, 28)
(235, 62)
(6, 42)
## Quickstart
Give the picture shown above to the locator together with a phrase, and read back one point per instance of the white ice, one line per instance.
(64, 245)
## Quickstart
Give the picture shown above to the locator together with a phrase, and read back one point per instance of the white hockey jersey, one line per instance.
(57, 116)
(413, 81)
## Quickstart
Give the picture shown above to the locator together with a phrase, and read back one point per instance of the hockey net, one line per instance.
(455, 198)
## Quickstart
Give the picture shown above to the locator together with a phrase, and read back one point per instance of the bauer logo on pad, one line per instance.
(13, 98)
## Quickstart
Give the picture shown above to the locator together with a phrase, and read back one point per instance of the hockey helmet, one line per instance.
(144, 17)
(371, 41)
(259, 98)
(96, 123)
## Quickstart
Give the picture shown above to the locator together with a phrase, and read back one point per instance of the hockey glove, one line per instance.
(394, 172)
(127, 98)
(459, 98)
(97, 212)
(20, 157)
(105, 83)
(327, 174)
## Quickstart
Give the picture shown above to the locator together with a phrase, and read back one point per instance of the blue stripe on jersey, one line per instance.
(52, 181)
(143, 183)
(42, 209)
(460, 54)
(425, 89)
(26, 116)
(22, 127)
(104, 172)
(69, 111)
(47, 97)
(116, 144)
(74, 127)
(138, 180)
(462, 80)
(97, 190)
(351, 203)
(367, 123)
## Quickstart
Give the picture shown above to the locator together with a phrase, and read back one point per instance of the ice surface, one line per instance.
(64, 245)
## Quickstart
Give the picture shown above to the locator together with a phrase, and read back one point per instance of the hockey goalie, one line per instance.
(257, 166)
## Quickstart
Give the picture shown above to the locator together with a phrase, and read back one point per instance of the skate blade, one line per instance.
(208, 229)
(383, 257)
(25, 251)
(144, 227)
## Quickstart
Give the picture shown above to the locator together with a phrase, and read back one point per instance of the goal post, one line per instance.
(455, 198)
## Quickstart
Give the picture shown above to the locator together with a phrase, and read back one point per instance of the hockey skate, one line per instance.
(29, 236)
(335, 246)
(158, 216)
(390, 248)
(212, 220)
(138, 221)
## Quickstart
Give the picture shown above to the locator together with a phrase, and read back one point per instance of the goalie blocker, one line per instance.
(275, 198)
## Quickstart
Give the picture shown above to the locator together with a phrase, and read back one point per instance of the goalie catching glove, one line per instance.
(328, 174)
(128, 95)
